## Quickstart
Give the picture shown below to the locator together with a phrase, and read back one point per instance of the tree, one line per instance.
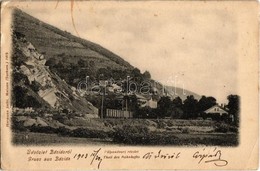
(51, 62)
(59, 66)
(190, 107)
(164, 107)
(81, 63)
(92, 64)
(103, 74)
(19, 77)
(18, 57)
(147, 75)
(177, 102)
(21, 98)
(176, 109)
(136, 75)
(176, 113)
(66, 111)
(206, 103)
(136, 72)
(133, 104)
(18, 96)
(35, 86)
(146, 112)
(32, 102)
(233, 106)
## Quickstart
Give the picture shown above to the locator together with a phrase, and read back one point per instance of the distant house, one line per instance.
(152, 103)
(142, 101)
(146, 102)
(216, 110)
(115, 88)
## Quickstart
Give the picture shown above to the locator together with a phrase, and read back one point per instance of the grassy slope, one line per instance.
(53, 41)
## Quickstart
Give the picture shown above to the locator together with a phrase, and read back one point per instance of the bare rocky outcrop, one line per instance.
(52, 89)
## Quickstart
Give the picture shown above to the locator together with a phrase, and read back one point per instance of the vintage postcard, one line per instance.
(135, 85)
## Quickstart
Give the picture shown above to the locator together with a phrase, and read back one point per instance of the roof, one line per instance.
(214, 107)
(138, 96)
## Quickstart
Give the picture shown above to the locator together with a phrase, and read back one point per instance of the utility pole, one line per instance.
(102, 104)
(87, 83)
(103, 99)
(126, 105)
(127, 89)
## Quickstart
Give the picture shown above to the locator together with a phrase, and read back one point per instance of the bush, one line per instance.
(18, 126)
(158, 139)
(79, 132)
(84, 133)
(140, 135)
(42, 129)
(136, 129)
(87, 133)
(59, 117)
(19, 77)
(35, 86)
(221, 127)
(131, 134)
(233, 129)
(161, 124)
(142, 138)
(22, 99)
(185, 130)
(63, 131)
(169, 123)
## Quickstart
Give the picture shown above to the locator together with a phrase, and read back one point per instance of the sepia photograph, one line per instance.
(74, 83)
(92, 83)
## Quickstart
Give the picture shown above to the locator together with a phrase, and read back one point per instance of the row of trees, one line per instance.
(190, 108)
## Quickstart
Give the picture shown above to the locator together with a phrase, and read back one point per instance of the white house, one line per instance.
(216, 110)
(146, 102)
(152, 103)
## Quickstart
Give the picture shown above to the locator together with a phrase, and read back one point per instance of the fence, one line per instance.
(113, 113)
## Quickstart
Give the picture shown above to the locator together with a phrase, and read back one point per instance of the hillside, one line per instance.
(53, 41)
(65, 60)
(65, 52)
(180, 92)
(34, 85)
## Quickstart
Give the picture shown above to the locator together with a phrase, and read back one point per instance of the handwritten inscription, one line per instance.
(208, 156)
(97, 157)
(161, 155)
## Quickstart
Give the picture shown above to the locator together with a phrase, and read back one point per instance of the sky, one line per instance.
(192, 46)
